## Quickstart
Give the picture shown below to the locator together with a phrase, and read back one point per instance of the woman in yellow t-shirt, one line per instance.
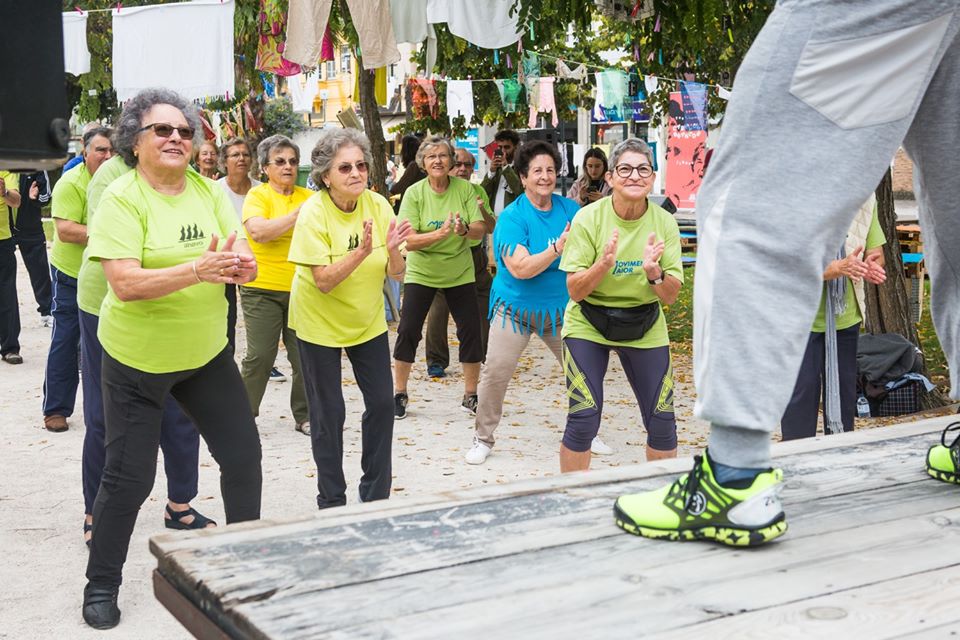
(269, 213)
(345, 242)
(163, 330)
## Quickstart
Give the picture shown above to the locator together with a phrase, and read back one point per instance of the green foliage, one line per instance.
(679, 316)
(279, 117)
(933, 354)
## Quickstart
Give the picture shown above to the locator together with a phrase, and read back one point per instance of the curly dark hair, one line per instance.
(508, 134)
(530, 150)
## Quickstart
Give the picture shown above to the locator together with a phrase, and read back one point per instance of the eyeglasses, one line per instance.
(437, 156)
(625, 170)
(346, 168)
(164, 130)
(282, 162)
(463, 164)
(235, 156)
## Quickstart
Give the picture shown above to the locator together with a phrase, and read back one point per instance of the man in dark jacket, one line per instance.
(502, 183)
(27, 230)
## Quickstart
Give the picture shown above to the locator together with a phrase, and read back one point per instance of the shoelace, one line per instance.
(954, 426)
(693, 481)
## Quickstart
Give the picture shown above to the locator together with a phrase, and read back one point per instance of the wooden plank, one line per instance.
(603, 584)
(189, 615)
(924, 603)
(377, 549)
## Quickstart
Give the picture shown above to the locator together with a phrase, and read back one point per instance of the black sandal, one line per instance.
(87, 528)
(200, 521)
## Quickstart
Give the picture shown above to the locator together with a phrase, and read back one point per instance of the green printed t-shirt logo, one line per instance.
(191, 236)
(353, 242)
(628, 268)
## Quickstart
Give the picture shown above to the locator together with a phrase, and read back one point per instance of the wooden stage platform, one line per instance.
(872, 551)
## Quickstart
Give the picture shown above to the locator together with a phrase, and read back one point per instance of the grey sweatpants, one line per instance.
(824, 97)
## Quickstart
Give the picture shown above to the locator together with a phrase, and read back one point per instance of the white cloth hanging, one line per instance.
(651, 83)
(579, 151)
(487, 24)
(723, 94)
(76, 56)
(410, 25)
(564, 72)
(460, 100)
(186, 47)
(304, 88)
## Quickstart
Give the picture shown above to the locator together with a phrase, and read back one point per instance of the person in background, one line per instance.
(502, 183)
(69, 211)
(861, 259)
(529, 291)
(27, 229)
(269, 213)
(162, 326)
(207, 160)
(345, 242)
(623, 263)
(179, 439)
(438, 351)
(591, 185)
(235, 161)
(442, 210)
(412, 173)
(9, 303)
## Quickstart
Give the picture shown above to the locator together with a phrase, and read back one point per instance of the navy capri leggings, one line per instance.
(650, 375)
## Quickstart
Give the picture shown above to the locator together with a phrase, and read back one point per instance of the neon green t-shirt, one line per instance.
(92, 283)
(626, 284)
(447, 263)
(69, 202)
(480, 193)
(274, 271)
(352, 313)
(851, 310)
(185, 329)
(12, 183)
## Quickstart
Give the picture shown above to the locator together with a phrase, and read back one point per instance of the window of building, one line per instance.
(345, 61)
(331, 69)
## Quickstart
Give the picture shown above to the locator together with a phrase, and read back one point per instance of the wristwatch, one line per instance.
(658, 279)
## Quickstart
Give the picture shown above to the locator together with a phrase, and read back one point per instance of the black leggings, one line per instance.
(462, 302)
(650, 375)
(213, 396)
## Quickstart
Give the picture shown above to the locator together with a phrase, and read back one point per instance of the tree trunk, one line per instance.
(373, 128)
(888, 305)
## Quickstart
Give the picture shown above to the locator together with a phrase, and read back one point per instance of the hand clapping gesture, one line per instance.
(609, 257)
(853, 266)
(651, 256)
(459, 226)
(561, 242)
(225, 266)
(875, 273)
(397, 233)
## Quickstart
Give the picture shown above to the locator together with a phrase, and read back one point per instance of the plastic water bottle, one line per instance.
(863, 407)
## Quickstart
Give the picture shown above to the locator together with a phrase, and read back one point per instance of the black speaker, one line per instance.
(34, 129)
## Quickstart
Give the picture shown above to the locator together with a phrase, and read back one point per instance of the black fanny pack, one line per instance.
(621, 324)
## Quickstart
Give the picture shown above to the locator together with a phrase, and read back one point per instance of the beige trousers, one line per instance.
(505, 343)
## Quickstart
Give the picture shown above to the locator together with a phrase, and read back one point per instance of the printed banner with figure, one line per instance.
(685, 152)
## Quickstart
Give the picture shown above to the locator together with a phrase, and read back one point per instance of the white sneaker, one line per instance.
(600, 448)
(46, 321)
(478, 453)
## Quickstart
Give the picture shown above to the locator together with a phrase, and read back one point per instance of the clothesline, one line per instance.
(117, 7)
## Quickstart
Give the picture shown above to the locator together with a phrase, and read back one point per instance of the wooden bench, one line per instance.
(872, 551)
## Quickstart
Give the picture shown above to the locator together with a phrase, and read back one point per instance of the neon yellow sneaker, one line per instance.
(943, 460)
(695, 507)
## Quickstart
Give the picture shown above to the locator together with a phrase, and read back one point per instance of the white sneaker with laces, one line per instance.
(46, 321)
(478, 454)
(599, 447)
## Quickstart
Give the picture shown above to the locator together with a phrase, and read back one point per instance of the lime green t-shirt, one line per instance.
(185, 329)
(352, 313)
(274, 271)
(447, 263)
(69, 202)
(12, 183)
(851, 309)
(626, 284)
(92, 283)
(480, 193)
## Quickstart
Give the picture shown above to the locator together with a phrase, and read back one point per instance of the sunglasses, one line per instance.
(346, 168)
(282, 162)
(164, 130)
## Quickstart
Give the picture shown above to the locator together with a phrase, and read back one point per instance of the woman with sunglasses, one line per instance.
(442, 210)
(236, 158)
(157, 233)
(346, 241)
(269, 213)
(592, 184)
(622, 259)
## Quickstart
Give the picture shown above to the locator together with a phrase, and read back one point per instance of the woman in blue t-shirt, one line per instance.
(529, 293)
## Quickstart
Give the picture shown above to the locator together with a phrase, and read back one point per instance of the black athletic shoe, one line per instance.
(100, 609)
(400, 401)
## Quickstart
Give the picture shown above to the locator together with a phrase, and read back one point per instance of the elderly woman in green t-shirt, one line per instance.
(622, 260)
(163, 330)
(346, 241)
(442, 209)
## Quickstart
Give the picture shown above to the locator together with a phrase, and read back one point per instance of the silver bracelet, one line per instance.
(195, 274)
